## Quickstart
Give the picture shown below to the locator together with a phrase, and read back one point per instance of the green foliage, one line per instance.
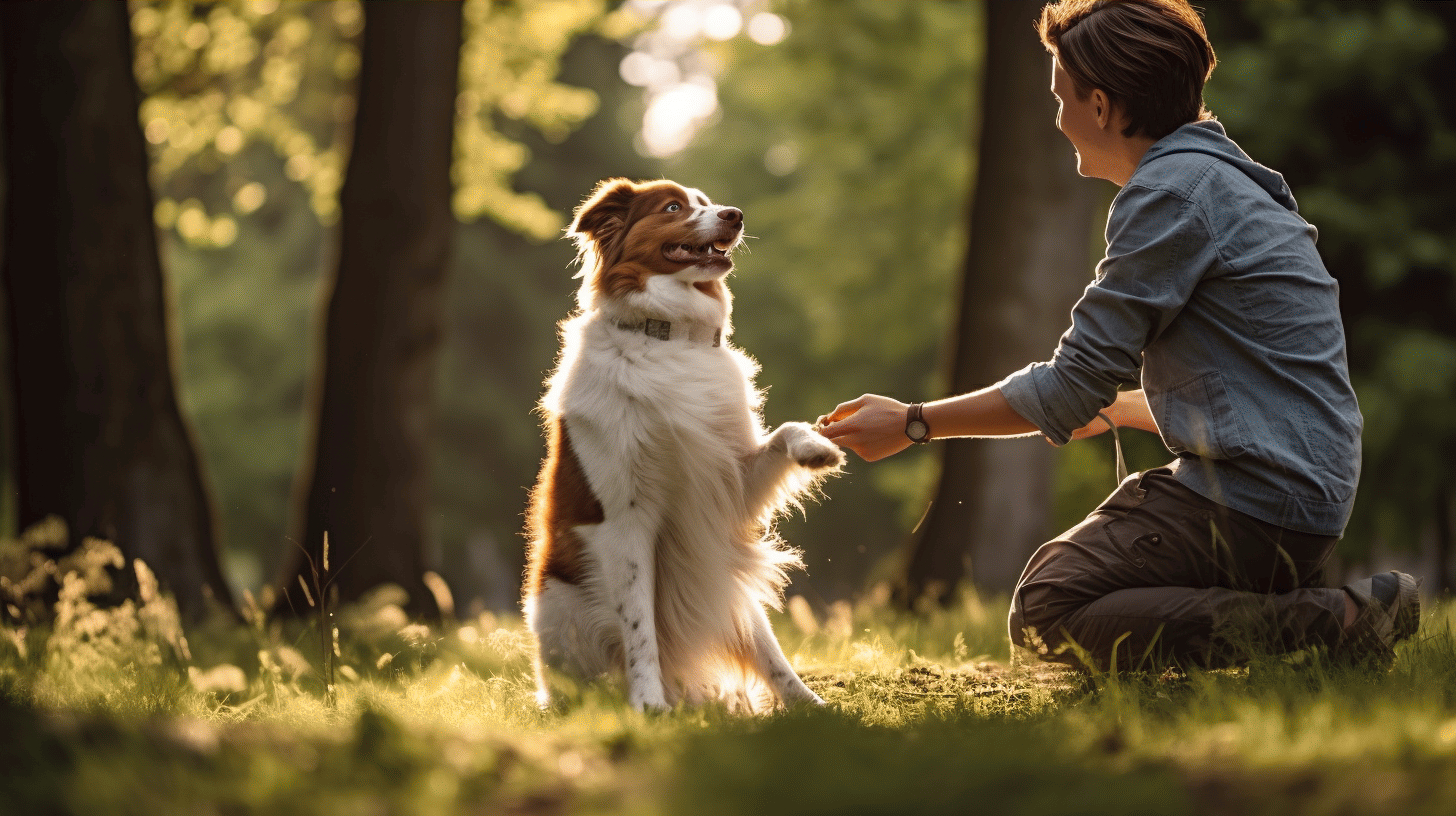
(59, 630)
(509, 64)
(219, 80)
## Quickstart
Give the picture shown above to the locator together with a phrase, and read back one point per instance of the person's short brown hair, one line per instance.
(1151, 58)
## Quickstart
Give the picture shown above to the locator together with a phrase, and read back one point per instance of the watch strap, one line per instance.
(916, 413)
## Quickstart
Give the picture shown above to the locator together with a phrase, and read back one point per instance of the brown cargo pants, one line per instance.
(1160, 576)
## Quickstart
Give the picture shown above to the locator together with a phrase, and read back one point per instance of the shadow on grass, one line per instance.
(822, 763)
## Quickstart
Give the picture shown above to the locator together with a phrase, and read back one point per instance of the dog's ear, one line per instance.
(600, 223)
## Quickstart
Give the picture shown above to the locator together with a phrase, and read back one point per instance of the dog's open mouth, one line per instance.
(701, 255)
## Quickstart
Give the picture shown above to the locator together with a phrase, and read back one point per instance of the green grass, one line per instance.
(120, 712)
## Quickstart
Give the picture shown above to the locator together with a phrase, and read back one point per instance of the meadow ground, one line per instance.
(118, 711)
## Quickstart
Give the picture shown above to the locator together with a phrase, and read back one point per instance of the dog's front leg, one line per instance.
(792, 444)
(629, 573)
(774, 667)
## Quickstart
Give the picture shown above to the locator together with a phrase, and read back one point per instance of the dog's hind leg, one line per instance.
(568, 643)
(767, 658)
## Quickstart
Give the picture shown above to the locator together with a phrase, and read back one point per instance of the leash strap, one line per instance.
(1117, 445)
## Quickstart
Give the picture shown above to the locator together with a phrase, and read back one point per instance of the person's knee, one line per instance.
(1036, 611)
(1016, 621)
(1052, 588)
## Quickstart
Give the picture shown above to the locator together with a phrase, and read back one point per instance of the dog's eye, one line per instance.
(674, 207)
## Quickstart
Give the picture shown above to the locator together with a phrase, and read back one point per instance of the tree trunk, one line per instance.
(369, 486)
(100, 440)
(1445, 578)
(1026, 264)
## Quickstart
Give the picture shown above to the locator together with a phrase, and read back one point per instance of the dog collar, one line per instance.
(666, 330)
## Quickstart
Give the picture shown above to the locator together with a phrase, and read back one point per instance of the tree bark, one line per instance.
(1445, 532)
(100, 440)
(369, 482)
(1026, 264)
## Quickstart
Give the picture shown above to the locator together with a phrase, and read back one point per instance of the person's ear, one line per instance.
(1103, 108)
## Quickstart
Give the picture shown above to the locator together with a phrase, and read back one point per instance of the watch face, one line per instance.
(916, 430)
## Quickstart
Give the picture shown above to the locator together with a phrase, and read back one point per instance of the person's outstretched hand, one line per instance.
(871, 426)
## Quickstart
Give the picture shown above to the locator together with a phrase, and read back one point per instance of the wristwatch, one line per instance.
(915, 425)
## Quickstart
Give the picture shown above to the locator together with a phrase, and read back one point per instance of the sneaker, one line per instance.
(1390, 611)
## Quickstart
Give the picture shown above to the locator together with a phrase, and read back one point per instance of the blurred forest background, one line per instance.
(850, 133)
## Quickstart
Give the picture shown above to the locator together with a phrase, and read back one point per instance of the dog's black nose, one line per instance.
(731, 214)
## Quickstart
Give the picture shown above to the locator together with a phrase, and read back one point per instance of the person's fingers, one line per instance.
(843, 410)
(1093, 428)
(849, 439)
(837, 430)
(861, 426)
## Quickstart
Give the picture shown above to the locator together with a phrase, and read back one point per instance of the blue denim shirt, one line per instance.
(1213, 297)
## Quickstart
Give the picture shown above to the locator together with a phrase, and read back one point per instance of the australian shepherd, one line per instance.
(652, 554)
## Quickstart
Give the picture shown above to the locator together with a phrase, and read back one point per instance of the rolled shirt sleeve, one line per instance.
(1158, 250)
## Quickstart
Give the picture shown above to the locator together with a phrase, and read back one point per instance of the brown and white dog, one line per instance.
(651, 545)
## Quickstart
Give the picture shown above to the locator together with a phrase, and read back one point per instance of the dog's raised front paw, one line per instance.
(810, 450)
(821, 459)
